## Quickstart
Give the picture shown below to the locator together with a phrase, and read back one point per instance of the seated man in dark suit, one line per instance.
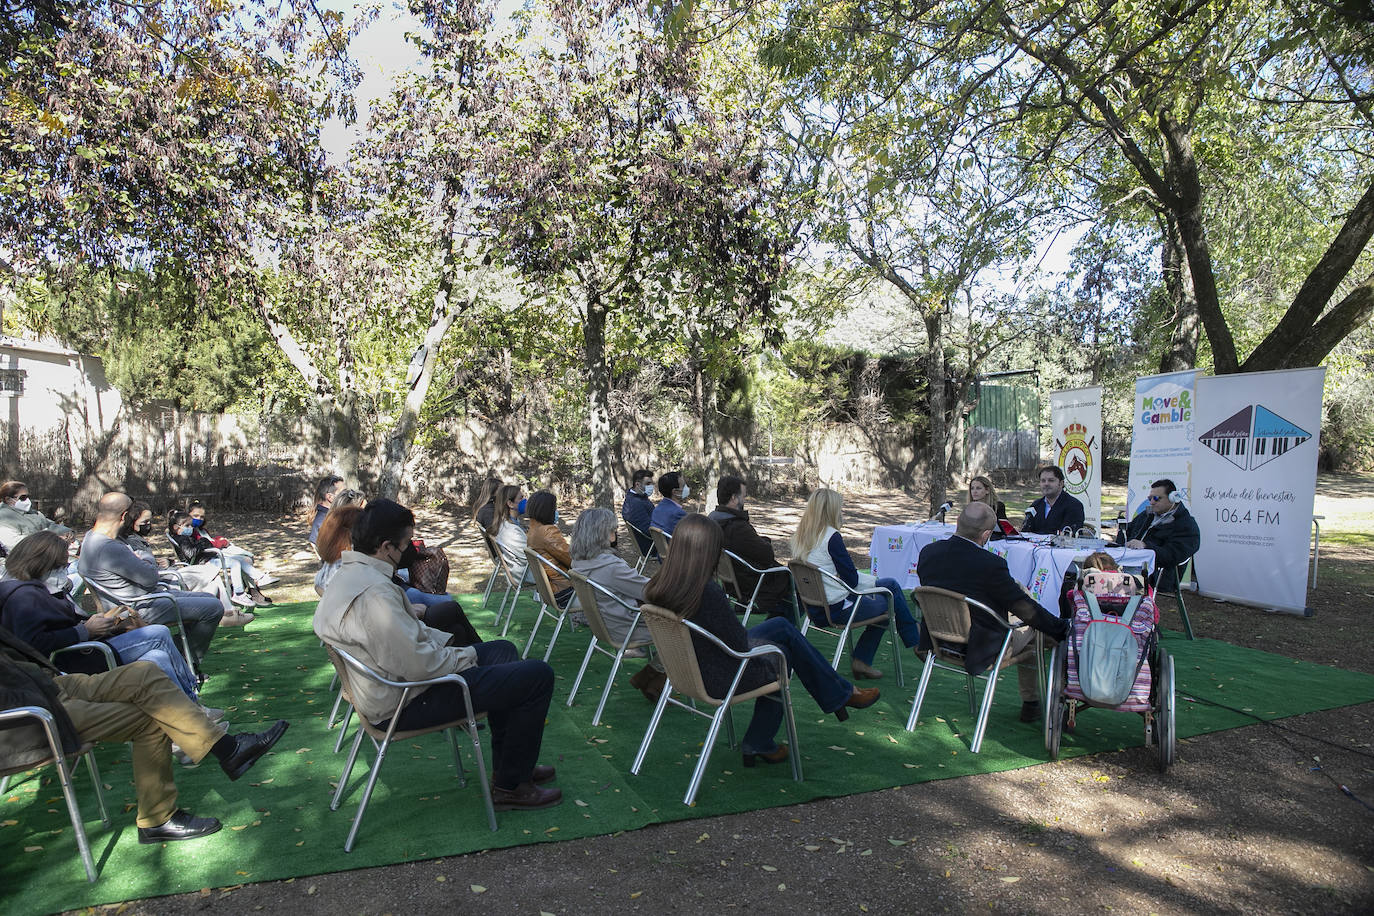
(1167, 528)
(775, 595)
(1055, 509)
(325, 491)
(959, 563)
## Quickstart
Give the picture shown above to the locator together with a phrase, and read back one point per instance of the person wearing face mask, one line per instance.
(959, 563)
(111, 566)
(36, 606)
(206, 571)
(366, 614)
(196, 509)
(546, 540)
(638, 509)
(669, 510)
(507, 531)
(19, 519)
(208, 562)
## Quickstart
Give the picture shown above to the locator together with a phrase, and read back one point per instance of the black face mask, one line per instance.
(145, 528)
(408, 556)
(615, 542)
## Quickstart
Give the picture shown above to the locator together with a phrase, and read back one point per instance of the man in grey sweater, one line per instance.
(109, 565)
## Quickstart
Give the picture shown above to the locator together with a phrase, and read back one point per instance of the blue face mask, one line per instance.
(186, 532)
(197, 522)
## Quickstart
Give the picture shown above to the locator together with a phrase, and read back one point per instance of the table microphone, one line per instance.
(1030, 512)
(940, 512)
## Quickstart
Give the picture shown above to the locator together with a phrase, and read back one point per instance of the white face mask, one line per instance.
(23, 505)
(686, 491)
(556, 517)
(186, 532)
(647, 488)
(56, 582)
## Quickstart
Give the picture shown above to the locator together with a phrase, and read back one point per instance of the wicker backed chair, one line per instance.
(539, 567)
(727, 571)
(640, 538)
(809, 582)
(40, 718)
(673, 639)
(349, 669)
(948, 618)
(602, 641)
(514, 585)
(661, 541)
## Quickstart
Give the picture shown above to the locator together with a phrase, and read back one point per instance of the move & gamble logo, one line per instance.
(1177, 408)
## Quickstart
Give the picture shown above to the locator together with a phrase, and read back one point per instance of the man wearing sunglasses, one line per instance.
(1167, 528)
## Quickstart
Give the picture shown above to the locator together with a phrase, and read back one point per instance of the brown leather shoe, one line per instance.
(863, 697)
(524, 797)
(652, 683)
(864, 671)
(543, 774)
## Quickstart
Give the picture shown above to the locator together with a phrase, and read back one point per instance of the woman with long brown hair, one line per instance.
(685, 586)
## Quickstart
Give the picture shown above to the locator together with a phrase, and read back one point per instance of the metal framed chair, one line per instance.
(644, 555)
(495, 569)
(728, 575)
(349, 668)
(808, 581)
(587, 594)
(514, 585)
(673, 638)
(223, 565)
(948, 619)
(661, 540)
(44, 719)
(1181, 571)
(108, 601)
(539, 567)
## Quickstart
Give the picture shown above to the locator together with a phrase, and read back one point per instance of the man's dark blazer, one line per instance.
(959, 565)
(1066, 512)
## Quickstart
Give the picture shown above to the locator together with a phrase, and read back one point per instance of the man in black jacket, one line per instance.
(775, 595)
(959, 563)
(135, 703)
(1167, 528)
(638, 509)
(1055, 509)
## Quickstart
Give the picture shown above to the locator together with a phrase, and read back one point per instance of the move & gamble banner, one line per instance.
(1161, 437)
(1076, 418)
(1254, 483)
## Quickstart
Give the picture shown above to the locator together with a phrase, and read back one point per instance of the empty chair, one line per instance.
(548, 603)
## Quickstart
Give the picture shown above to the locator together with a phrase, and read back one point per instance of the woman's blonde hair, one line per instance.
(991, 497)
(822, 512)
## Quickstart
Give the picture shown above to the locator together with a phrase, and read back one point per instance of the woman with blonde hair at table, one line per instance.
(818, 542)
(981, 490)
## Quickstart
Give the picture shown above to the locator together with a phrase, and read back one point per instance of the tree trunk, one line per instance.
(710, 440)
(1181, 353)
(446, 309)
(936, 401)
(598, 401)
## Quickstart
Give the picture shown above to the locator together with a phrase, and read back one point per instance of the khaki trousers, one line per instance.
(139, 703)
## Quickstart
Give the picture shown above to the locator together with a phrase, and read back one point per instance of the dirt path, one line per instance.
(1248, 821)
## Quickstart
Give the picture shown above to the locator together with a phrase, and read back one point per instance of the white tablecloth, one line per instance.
(1034, 563)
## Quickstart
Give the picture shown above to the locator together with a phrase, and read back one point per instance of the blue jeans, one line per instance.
(515, 695)
(154, 643)
(870, 606)
(415, 596)
(828, 689)
(200, 612)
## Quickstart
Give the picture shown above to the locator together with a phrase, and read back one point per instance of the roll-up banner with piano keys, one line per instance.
(1254, 483)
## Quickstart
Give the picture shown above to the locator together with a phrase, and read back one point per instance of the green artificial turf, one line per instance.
(278, 823)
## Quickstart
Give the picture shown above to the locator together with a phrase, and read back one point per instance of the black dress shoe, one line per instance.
(250, 747)
(1030, 712)
(180, 826)
(543, 774)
